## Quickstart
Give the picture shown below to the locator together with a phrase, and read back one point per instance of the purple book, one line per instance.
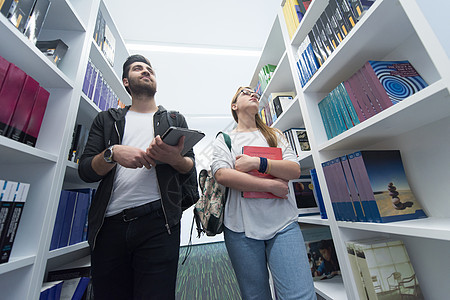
(352, 95)
(375, 85)
(361, 97)
(92, 82)
(346, 205)
(369, 92)
(332, 190)
(350, 181)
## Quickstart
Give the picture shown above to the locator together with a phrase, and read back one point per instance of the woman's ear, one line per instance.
(233, 106)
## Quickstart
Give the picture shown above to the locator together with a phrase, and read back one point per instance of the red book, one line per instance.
(4, 65)
(9, 94)
(23, 109)
(37, 114)
(272, 153)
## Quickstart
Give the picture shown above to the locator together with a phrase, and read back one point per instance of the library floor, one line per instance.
(207, 274)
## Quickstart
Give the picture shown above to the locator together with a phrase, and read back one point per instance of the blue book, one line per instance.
(59, 219)
(346, 204)
(81, 288)
(67, 221)
(383, 186)
(92, 81)
(332, 189)
(87, 78)
(98, 88)
(318, 193)
(79, 218)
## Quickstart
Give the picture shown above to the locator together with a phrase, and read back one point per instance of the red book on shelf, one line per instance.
(272, 153)
(23, 109)
(9, 94)
(37, 114)
(4, 65)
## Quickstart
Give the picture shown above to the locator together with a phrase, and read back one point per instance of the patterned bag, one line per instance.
(209, 209)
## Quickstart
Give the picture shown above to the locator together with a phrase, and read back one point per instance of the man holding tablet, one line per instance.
(134, 218)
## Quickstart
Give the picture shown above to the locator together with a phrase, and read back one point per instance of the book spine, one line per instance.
(327, 171)
(318, 194)
(9, 95)
(67, 221)
(81, 209)
(362, 115)
(59, 220)
(19, 196)
(348, 103)
(24, 107)
(37, 114)
(360, 286)
(363, 184)
(376, 85)
(350, 181)
(347, 205)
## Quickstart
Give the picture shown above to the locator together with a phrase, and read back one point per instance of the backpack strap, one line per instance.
(172, 117)
(226, 137)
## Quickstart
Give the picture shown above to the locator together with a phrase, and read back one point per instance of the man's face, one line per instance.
(141, 79)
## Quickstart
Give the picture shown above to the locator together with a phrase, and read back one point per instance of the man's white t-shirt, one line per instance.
(134, 187)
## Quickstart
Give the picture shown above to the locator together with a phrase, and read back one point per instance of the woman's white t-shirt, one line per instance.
(259, 219)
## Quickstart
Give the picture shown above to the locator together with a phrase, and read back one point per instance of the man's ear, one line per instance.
(125, 82)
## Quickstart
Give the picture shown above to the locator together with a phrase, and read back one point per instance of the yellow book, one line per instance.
(287, 19)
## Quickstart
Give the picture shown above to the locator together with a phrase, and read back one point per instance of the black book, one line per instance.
(19, 12)
(5, 6)
(37, 19)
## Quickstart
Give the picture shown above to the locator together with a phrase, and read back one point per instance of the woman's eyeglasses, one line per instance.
(251, 93)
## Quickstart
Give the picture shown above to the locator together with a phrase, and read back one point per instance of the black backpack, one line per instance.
(189, 184)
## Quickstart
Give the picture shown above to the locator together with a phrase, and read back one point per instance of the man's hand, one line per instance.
(160, 151)
(131, 157)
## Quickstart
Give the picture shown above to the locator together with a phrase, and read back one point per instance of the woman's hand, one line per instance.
(279, 187)
(245, 163)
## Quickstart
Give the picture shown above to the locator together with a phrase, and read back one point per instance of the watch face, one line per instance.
(108, 155)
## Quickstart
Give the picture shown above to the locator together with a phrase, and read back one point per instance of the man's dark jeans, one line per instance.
(136, 259)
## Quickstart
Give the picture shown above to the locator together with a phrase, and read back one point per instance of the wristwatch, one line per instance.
(108, 155)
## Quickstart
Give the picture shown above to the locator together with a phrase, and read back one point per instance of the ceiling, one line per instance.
(197, 83)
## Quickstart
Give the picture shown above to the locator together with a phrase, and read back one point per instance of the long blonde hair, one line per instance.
(269, 133)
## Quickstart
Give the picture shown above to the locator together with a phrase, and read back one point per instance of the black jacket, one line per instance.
(108, 129)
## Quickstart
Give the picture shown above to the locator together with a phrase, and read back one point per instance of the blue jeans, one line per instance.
(136, 259)
(284, 254)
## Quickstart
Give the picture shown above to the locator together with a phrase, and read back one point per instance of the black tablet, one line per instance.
(173, 134)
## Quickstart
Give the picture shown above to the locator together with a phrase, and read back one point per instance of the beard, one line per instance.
(139, 88)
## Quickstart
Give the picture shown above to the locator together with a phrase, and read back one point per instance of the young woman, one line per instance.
(261, 233)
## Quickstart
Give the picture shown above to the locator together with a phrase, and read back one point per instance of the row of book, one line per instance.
(382, 269)
(13, 196)
(79, 140)
(294, 11)
(23, 103)
(27, 16)
(104, 38)
(264, 76)
(70, 281)
(371, 186)
(98, 90)
(377, 85)
(276, 104)
(330, 29)
(298, 139)
(71, 218)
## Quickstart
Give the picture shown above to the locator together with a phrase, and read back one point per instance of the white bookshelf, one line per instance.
(46, 166)
(418, 126)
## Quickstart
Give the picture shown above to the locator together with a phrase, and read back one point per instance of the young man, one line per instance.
(134, 219)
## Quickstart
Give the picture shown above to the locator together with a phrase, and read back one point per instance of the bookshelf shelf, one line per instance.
(428, 228)
(417, 126)
(45, 167)
(15, 152)
(331, 289)
(16, 264)
(314, 219)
